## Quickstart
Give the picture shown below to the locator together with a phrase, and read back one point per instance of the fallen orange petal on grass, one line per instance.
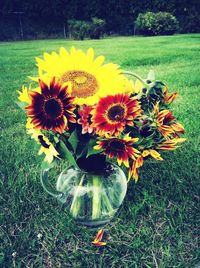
(99, 244)
(97, 241)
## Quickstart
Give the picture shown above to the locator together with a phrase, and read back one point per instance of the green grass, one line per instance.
(157, 226)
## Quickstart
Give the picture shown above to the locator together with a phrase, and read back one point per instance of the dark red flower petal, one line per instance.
(51, 109)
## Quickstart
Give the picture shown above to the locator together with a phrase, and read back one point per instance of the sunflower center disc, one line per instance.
(53, 108)
(83, 84)
(167, 119)
(116, 113)
(117, 145)
(43, 142)
(80, 79)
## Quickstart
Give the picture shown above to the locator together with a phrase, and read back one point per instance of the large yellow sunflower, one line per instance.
(89, 78)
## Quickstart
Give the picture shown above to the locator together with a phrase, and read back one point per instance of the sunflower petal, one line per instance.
(97, 241)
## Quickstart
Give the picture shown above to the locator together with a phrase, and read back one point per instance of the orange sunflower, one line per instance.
(169, 98)
(170, 145)
(120, 148)
(51, 109)
(167, 123)
(136, 164)
(113, 113)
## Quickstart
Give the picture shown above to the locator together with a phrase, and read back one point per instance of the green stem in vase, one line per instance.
(96, 199)
(107, 203)
(75, 206)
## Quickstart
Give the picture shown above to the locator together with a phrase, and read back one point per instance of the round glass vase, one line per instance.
(91, 199)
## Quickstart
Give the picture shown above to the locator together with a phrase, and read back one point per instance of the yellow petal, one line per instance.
(126, 163)
(138, 86)
(145, 153)
(119, 161)
(155, 155)
(63, 52)
(97, 147)
(24, 96)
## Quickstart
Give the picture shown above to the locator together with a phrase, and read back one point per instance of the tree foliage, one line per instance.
(49, 18)
(79, 29)
(161, 23)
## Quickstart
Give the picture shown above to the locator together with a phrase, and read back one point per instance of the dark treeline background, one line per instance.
(27, 19)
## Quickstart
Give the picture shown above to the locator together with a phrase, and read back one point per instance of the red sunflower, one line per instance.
(120, 148)
(51, 109)
(85, 119)
(113, 113)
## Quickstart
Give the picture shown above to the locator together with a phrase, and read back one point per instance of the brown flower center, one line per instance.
(116, 113)
(43, 142)
(168, 118)
(83, 84)
(53, 108)
(117, 145)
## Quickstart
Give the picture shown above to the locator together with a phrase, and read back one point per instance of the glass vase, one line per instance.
(91, 199)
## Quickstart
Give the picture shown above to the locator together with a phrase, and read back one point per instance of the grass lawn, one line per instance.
(157, 226)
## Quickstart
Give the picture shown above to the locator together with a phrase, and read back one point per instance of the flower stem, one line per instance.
(96, 200)
(107, 202)
(136, 76)
(75, 206)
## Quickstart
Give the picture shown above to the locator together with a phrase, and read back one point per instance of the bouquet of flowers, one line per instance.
(88, 113)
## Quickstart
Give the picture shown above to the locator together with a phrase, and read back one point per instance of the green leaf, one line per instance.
(90, 148)
(21, 105)
(81, 149)
(73, 140)
(56, 139)
(66, 154)
(151, 76)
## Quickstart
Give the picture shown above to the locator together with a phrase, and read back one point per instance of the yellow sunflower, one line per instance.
(89, 78)
(46, 146)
